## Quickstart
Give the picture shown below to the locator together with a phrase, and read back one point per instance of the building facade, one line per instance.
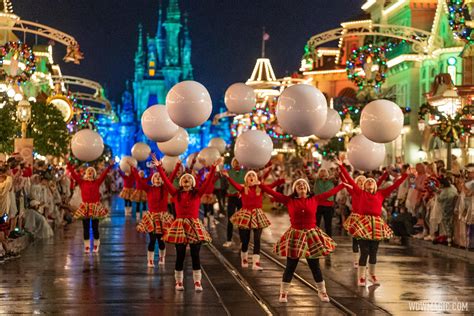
(422, 46)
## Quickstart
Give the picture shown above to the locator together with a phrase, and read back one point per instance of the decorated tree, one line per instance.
(48, 129)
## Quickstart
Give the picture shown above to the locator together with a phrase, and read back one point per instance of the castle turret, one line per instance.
(172, 25)
(139, 56)
(186, 52)
(160, 39)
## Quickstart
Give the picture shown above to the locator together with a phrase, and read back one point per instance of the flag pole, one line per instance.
(263, 42)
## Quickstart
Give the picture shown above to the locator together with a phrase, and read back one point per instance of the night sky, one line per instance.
(226, 34)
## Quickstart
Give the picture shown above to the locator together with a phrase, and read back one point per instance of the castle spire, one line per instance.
(140, 40)
(139, 55)
(186, 51)
(159, 29)
(173, 14)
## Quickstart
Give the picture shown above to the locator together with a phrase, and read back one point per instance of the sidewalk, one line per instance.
(453, 251)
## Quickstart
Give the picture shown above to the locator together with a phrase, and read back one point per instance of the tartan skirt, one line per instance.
(304, 243)
(208, 199)
(367, 227)
(127, 193)
(91, 210)
(250, 219)
(187, 231)
(138, 196)
(157, 223)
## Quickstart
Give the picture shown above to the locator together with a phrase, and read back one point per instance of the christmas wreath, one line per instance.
(366, 57)
(19, 59)
(460, 20)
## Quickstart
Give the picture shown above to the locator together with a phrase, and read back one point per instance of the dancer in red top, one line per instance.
(156, 220)
(187, 229)
(127, 191)
(303, 239)
(250, 217)
(139, 195)
(91, 209)
(368, 225)
(208, 199)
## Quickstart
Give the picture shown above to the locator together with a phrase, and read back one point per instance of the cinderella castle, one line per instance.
(160, 62)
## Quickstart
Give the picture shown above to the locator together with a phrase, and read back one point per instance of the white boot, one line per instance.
(212, 221)
(178, 276)
(244, 259)
(256, 263)
(87, 246)
(150, 259)
(361, 276)
(284, 287)
(128, 210)
(355, 259)
(322, 294)
(372, 278)
(96, 245)
(197, 280)
(162, 254)
(137, 216)
(205, 221)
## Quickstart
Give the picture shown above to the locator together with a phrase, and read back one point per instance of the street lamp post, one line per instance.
(23, 113)
(448, 103)
(347, 127)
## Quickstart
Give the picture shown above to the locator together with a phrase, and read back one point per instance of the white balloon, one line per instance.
(141, 151)
(381, 121)
(301, 109)
(176, 145)
(169, 162)
(125, 163)
(209, 154)
(87, 145)
(197, 165)
(219, 144)
(331, 126)
(240, 98)
(157, 124)
(253, 149)
(189, 104)
(364, 154)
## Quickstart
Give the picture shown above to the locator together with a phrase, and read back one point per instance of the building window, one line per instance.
(151, 72)
(151, 64)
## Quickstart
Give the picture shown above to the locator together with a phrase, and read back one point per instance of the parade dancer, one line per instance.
(186, 229)
(90, 210)
(250, 217)
(233, 198)
(156, 220)
(208, 200)
(303, 239)
(127, 191)
(139, 195)
(368, 226)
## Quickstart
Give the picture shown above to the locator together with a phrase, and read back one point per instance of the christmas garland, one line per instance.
(23, 54)
(459, 16)
(367, 55)
(449, 129)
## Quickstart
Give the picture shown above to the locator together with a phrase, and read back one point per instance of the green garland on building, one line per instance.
(459, 18)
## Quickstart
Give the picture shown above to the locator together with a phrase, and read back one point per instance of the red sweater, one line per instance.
(250, 199)
(90, 190)
(302, 211)
(128, 181)
(355, 198)
(157, 196)
(187, 203)
(210, 188)
(366, 202)
(141, 185)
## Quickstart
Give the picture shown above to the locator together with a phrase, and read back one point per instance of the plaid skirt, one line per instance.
(208, 199)
(127, 193)
(138, 196)
(187, 231)
(304, 243)
(91, 210)
(157, 223)
(367, 227)
(250, 219)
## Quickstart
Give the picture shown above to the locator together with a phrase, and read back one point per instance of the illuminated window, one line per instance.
(151, 64)
(151, 72)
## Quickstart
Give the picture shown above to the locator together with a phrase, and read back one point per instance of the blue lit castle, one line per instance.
(162, 62)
